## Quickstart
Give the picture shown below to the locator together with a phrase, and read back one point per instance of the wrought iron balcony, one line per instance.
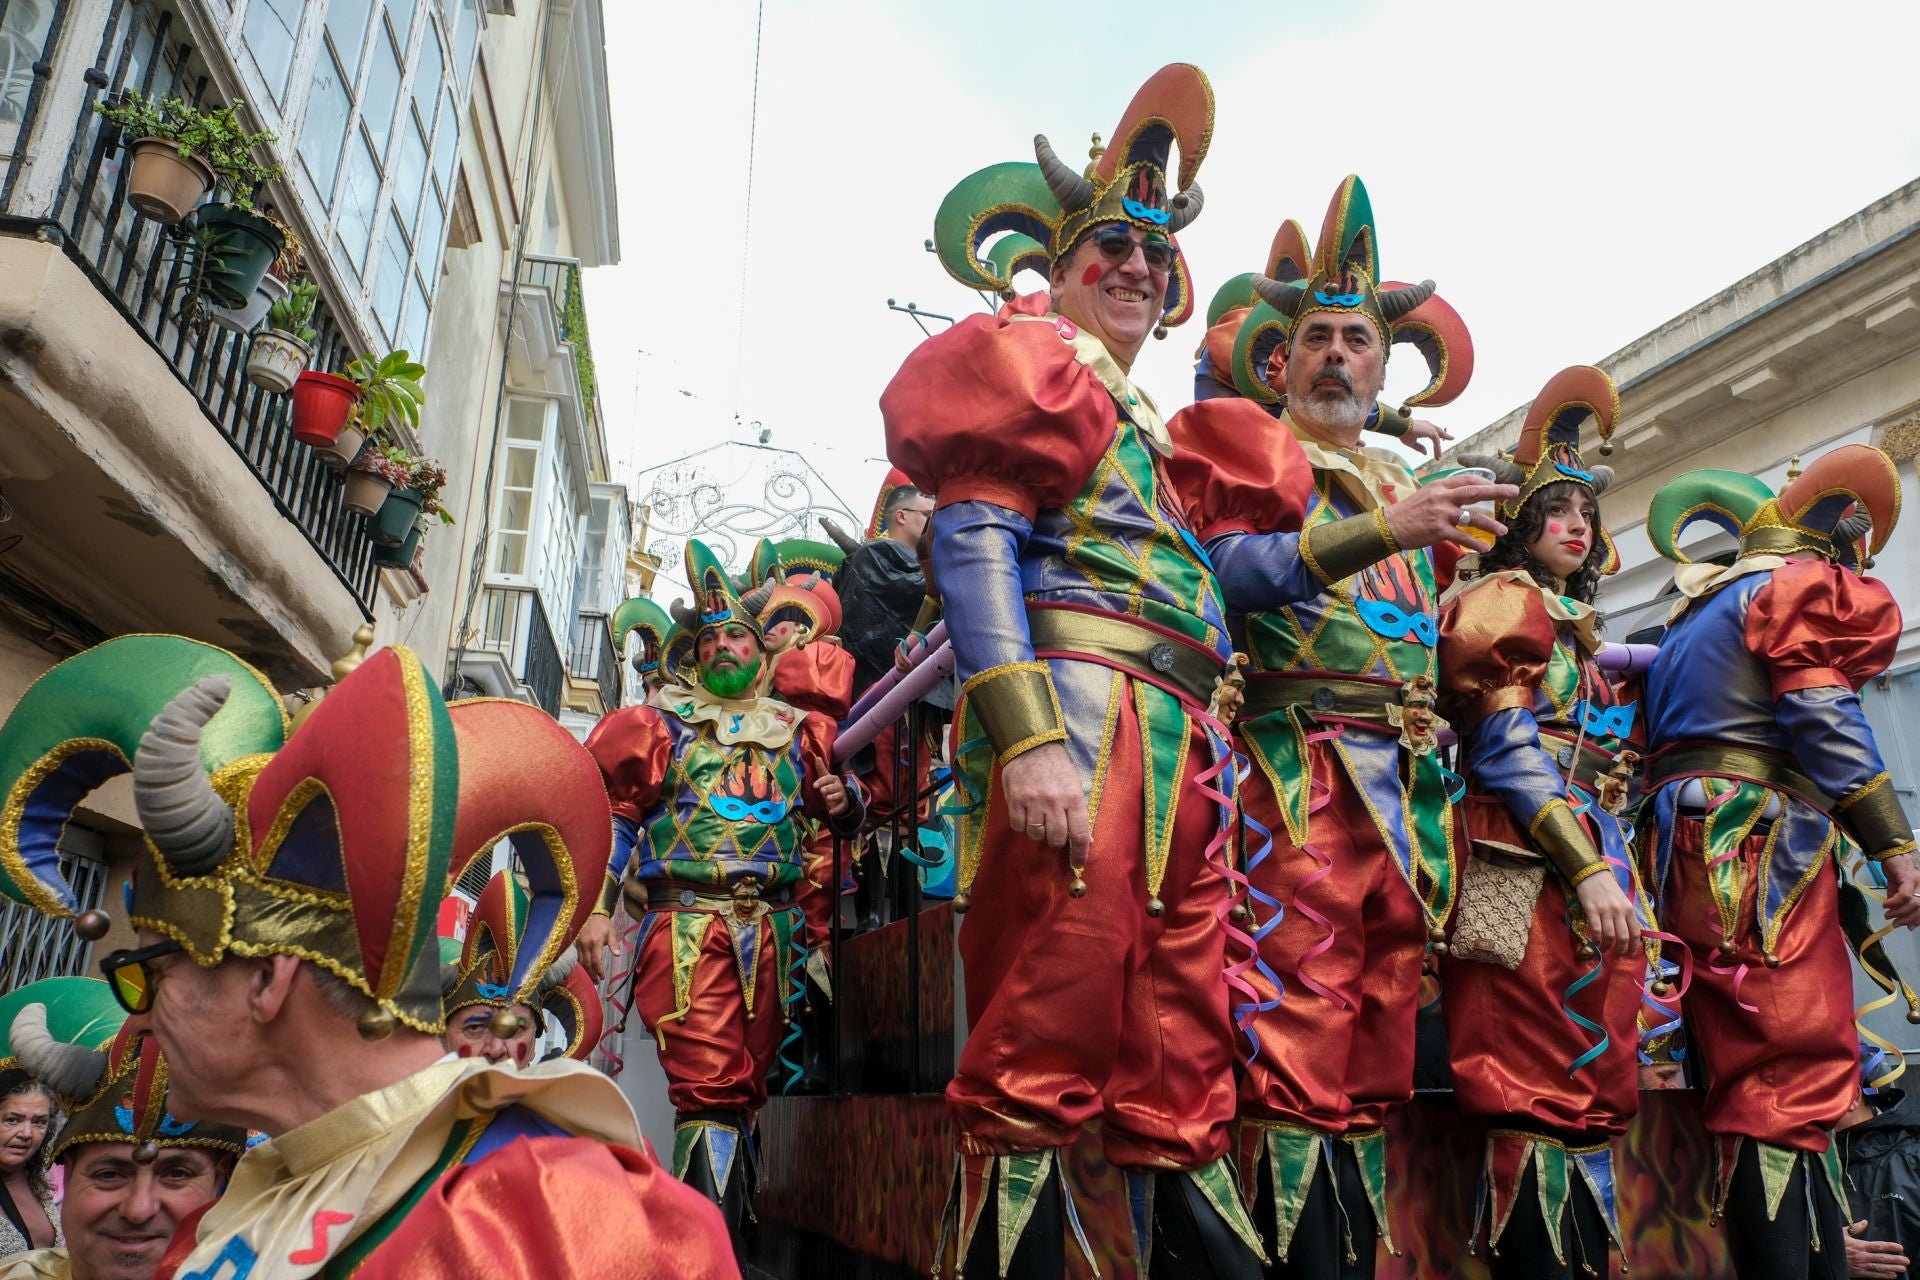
(514, 625)
(595, 658)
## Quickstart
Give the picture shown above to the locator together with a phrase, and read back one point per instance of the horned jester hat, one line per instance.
(1843, 507)
(495, 968)
(334, 843)
(1036, 213)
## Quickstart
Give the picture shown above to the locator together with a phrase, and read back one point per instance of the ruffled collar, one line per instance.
(1374, 477)
(1582, 619)
(1698, 581)
(756, 721)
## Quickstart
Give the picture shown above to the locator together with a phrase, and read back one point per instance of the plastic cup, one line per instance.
(1485, 510)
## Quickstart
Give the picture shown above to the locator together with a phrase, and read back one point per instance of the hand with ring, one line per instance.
(1045, 800)
(1422, 518)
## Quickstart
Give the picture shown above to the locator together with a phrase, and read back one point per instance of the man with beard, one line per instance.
(709, 784)
(1320, 545)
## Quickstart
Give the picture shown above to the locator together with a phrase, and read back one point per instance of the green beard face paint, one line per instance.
(731, 682)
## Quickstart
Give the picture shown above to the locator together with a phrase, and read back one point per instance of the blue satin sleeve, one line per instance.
(976, 558)
(626, 833)
(1831, 738)
(1261, 571)
(1504, 757)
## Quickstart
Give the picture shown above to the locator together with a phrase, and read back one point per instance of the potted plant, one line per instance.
(412, 501)
(180, 152)
(248, 317)
(196, 258)
(322, 405)
(401, 555)
(282, 349)
(372, 480)
(390, 390)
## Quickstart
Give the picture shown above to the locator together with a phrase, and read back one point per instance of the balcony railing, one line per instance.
(514, 625)
(594, 658)
(559, 279)
(128, 259)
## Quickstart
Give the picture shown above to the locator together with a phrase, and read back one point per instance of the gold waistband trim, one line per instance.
(1142, 651)
(1727, 760)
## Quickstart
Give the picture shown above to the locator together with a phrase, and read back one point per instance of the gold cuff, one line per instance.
(1392, 422)
(1017, 707)
(1873, 817)
(930, 613)
(1338, 550)
(609, 895)
(1558, 833)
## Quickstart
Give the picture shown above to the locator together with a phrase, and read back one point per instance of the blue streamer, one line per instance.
(788, 1053)
(1456, 785)
(1246, 1012)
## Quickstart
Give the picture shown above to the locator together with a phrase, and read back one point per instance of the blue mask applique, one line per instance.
(1394, 623)
(1610, 722)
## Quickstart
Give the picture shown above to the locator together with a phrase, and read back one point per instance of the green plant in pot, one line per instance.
(390, 391)
(416, 498)
(401, 555)
(197, 257)
(282, 349)
(181, 152)
(379, 471)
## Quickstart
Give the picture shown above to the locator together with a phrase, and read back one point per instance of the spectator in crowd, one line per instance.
(881, 585)
(26, 1200)
(1880, 1143)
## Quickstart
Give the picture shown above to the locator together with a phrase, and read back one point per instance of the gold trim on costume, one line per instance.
(1558, 833)
(1337, 550)
(1873, 816)
(1017, 707)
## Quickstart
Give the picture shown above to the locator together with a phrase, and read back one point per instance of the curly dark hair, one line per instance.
(18, 1083)
(1511, 551)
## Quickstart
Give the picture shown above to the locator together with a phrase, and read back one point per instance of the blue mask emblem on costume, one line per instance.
(1612, 722)
(1573, 473)
(491, 991)
(1144, 212)
(169, 1127)
(1326, 299)
(1395, 623)
(766, 812)
(647, 668)
(1193, 544)
(719, 616)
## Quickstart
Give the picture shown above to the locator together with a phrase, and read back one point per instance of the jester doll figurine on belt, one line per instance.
(1543, 976)
(1321, 548)
(1764, 778)
(284, 901)
(1090, 640)
(711, 783)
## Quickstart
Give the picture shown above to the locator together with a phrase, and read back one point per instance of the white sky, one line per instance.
(1571, 175)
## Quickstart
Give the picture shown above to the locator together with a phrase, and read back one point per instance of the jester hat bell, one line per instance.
(70, 1034)
(1844, 507)
(1548, 451)
(1036, 213)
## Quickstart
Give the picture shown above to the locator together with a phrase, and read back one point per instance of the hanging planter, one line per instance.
(402, 508)
(345, 449)
(366, 492)
(376, 474)
(246, 319)
(179, 153)
(401, 556)
(164, 185)
(322, 403)
(281, 351)
(248, 245)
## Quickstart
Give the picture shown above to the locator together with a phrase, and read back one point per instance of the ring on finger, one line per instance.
(1464, 519)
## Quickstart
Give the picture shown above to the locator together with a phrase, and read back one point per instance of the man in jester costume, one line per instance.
(1091, 641)
(710, 785)
(642, 617)
(489, 1015)
(133, 1172)
(1543, 978)
(284, 904)
(1764, 780)
(1321, 547)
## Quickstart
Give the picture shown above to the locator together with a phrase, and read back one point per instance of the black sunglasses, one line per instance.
(126, 973)
(1116, 244)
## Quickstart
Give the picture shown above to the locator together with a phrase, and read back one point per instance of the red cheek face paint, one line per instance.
(1092, 274)
(1555, 530)
(464, 1051)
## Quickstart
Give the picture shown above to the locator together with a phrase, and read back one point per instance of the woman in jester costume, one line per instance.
(711, 784)
(1544, 975)
(1321, 546)
(283, 903)
(1764, 778)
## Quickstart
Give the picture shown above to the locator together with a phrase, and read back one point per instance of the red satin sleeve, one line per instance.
(816, 735)
(997, 410)
(1495, 642)
(542, 1207)
(815, 677)
(634, 750)
(1817, 625)
(1238, 470)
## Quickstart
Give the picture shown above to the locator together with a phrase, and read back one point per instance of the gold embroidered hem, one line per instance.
(1872, 816)
(1558, 832)
(1017, 707)
(1337, 551)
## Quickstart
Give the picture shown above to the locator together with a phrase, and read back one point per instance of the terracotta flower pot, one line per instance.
(401, 556)
(366, 492)
(345, 449)
(163, 184)
(322, 403)
(251, 316)
(390, 527)
(276, 361)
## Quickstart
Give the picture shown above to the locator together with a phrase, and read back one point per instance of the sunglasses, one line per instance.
(127, 974)
(1116, 244)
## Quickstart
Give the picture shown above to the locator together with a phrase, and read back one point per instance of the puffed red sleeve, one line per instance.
(542, 1207)
(1495, 641)
(1238, 470)
(633, 749)
(815, 677)
(997, 409)
(1818, 626)
(816, 736)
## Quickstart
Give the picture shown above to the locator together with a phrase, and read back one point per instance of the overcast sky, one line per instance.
(1571, 175)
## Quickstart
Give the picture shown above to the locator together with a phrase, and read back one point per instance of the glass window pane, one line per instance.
(431, 240)
(269, 30)
(512, 556)
(347, 24)
(23, 31)
(446, 145)
(400, 14)
(354, 219)
(527, 420)
(390, 280)
(426, 75)
(414, 333)
(466, 34)
(521, 466)
(325, 126)
(516, 508)
(409, 173)
(382, 93)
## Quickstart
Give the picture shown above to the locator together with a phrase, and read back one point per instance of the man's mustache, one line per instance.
(1339, 376)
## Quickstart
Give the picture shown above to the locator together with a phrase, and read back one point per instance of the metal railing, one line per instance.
(130, 260)
(559, 279)
(514, 625)
(594, 657)
(35, 946)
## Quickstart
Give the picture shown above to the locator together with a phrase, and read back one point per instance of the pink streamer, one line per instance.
(1216, 855)
(1738, 969)
(1319, 796)
(619, 982)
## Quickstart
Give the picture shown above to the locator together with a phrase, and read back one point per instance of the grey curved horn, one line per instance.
(449, 978)
(188, 822)
(1186, 207)
(558, 971)
(70, 1071)
(1070, 188)
(841, 538)
(1853, 527)
(756, 600)
(1602, 477)
(683, 614)
(1284, 298)
(1504, 472)
(1395, 303)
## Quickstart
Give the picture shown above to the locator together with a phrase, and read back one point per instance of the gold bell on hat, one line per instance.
(376, 1023)
(92, 925)
(505, 1024)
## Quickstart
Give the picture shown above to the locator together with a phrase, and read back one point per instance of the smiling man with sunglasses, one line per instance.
(1091, 640)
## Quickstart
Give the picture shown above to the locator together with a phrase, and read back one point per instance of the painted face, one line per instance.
(1335, 368)
(118, 1216)
(1117, 299)
(470, 1035)
(23, 1128)
(782, 634)
(1569, 523)
(729, 659)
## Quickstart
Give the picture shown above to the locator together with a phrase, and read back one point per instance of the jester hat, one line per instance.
(70, 1034)
(500, 963)
(877, 523)
(652, 622)
(1341, 278)
(1042, 210)
(1843, 507)
(715, 602)
(1548, 451)
(791, 557)
(805, 598)
(576, 1004)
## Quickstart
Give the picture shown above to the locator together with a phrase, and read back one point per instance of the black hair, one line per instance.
(898, 498)
(1512, 551)
(15, 1084)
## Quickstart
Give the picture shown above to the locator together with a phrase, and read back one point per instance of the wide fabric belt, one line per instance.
(1156, 656)
(665, 895)
(1587, 768)
(1726, 760)
(1335, 697)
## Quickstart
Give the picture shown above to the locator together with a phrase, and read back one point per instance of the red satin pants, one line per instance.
(716, 1058)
